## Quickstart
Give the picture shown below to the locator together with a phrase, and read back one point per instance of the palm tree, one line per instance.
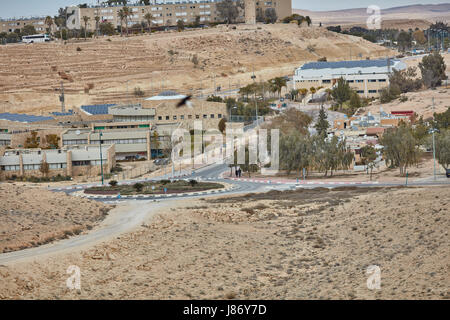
(85, 20)
(149, 17)
(60, 22)
(97, 22)
(313, 90)
(121, 15)
(49, 23)
(126, 13)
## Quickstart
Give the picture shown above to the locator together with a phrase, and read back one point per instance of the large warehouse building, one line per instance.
(367, 77)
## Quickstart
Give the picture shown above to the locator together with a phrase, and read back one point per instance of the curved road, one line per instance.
(120, 221)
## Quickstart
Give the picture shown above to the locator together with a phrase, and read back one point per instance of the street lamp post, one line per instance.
(101, 158)
(434, 147)
(256, 103)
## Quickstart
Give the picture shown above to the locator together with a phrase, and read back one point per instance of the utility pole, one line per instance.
(101, 157)
(62, 98)
(256, 103)
(434, 146)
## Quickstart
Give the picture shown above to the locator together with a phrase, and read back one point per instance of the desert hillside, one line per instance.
(304, 244)
(397, 17)
(29, 74)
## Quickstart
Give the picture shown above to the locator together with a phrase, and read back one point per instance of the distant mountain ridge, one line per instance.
(423, 12)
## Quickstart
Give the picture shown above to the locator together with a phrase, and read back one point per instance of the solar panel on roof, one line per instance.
(97, 109)
(23, 117)
(346, 64)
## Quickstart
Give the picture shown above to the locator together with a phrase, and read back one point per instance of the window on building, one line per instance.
(190, 116)
(219, 116)
(372, 80)
(174, 117)
(81, 163)
(197, 116)
(159, 118)
(182, 117)
(205, 116)
(167, 118)
(326, 81)
(212, 116)
(372, 91)
(359, 81)
(381, 80)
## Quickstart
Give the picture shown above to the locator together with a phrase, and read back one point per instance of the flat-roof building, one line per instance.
(69, 161)
(366, 77)
(167, 12)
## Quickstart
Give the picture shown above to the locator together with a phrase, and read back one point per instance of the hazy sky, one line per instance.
(19, 8)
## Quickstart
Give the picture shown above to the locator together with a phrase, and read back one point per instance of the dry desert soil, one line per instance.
(304, 244)
(30, 80)
(33, 216)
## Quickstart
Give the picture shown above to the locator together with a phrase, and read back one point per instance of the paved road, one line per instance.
(137, 212)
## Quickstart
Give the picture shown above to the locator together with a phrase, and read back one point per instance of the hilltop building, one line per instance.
(168, 12)
(366, 77)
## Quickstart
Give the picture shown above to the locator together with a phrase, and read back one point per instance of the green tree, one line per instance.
(149, 18)
(400, 147)
(341, 92)
(354, 104)
(49, 23)
(106, 28)
(270, 15)
(44, 168)
(85, 20)
(180, 25)
(97, 25)
(368, 157)
(404, 40)
(433, 69)
(443, 148)
(228, 10)
(322, 124)
(278, 84)
(28, 30)
(442, 120)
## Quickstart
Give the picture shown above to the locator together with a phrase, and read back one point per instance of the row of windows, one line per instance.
(28, 167)
(5, 142)
(74, 142)
(121, 141)
(370, 91)
(10, 168)
(189, 117)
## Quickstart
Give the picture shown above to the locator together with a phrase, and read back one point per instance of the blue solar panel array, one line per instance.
(23, 117)
(97, 109)
(62, 114)
(346, 64)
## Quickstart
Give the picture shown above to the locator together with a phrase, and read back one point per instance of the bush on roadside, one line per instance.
(113, 183)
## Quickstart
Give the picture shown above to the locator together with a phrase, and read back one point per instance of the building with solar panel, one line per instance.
(366, 77)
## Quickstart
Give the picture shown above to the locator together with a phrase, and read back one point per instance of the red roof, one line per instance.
(406, 112)
(373, 131)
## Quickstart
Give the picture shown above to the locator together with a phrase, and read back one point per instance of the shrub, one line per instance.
(78, 49)
(113, 183)
(138, 186)
(193, 182)
(138, 92)
(164, 182)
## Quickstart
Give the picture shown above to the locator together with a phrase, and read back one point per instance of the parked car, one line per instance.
(447, 173)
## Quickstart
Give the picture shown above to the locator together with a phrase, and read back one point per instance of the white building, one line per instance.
(367, 77)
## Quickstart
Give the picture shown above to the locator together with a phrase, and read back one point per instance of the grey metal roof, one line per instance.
(22, 117)
(168, 93)
(347, 64)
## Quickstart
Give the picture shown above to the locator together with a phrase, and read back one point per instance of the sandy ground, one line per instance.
(302, 244)
(32, 216)
(30, 81)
